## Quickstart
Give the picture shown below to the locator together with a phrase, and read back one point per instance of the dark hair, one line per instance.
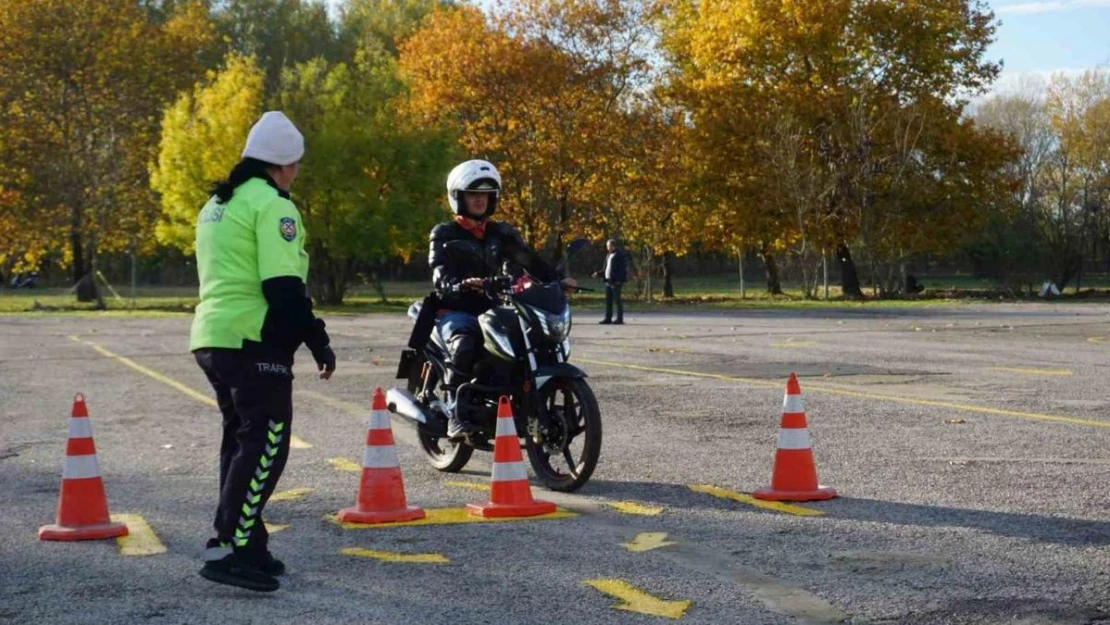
(243, 171)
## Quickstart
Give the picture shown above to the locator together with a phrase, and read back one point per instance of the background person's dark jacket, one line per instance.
(619, 270)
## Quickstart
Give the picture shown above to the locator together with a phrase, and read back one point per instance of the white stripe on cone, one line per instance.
(792, 404)
(505, 427)
(79, 427)
(509, 472)
(79, 467)
(379, 420)
(380, 458)
(794, 438)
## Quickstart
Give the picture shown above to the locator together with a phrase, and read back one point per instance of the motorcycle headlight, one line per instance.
(555, 327)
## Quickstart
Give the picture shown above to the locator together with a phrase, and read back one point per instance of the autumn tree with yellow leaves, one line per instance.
(816, 120)
(82, 88)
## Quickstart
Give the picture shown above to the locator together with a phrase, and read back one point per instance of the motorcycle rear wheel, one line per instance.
(444, 455)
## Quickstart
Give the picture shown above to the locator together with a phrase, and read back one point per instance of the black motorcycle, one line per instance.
(25, 281)
(527, 348)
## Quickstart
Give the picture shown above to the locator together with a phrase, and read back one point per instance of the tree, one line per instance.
(848, 75)
(82, 107)
(202, 136)
(372, 182)
(278, 33)
(542, 90)
(386, 24)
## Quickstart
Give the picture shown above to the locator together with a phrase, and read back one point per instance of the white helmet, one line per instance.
(476, 176)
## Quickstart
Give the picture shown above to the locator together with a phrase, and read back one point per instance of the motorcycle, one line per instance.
(25, 281)
(526, 353)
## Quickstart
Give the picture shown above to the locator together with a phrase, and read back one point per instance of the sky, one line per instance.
(1042, 37)
(1038, 38)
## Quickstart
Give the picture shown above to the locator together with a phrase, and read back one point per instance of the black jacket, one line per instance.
(455, 255)
(619, 270)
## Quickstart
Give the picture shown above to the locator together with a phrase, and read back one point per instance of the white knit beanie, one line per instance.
(275, 140)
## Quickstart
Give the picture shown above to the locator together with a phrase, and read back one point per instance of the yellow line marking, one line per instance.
(793, 344)
(450, 516)
(633, 599)
(1098, 340)
(646, 541)
(724, 493)
(140, 540)
(342, 464)
(632, 507)
(469, 485)
(1033, 371)
(294, 441)
(809, 386)
(389, 556)
(290, 495)
(274, 528)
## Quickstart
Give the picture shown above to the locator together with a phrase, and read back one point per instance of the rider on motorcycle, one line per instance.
(463, 252)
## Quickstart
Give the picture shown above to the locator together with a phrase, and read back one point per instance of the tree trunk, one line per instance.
(743, 285)
(668, 287)
(774, 286)
(849, 278)
(82, 278)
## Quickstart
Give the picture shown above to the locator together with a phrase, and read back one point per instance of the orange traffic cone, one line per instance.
(82, 506)
(381, 491)
(794, 477)
(510, 494)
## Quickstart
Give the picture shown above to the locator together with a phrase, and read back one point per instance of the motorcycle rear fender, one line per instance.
(559, 370)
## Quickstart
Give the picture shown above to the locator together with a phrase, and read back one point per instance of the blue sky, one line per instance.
(1041, 37)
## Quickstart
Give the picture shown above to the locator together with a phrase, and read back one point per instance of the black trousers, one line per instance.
(613, 296)
(254, 390)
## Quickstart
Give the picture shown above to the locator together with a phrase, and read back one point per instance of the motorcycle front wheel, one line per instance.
(569, 454)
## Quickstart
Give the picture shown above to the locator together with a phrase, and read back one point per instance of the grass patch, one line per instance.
(720, 292)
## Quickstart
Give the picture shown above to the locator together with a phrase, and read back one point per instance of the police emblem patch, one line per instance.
(288, 228)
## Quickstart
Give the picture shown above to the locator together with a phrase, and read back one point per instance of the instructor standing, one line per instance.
(253, 315)
(615, 275)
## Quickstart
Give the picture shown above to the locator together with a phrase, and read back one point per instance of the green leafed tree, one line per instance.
(371, 183)
(202, 137)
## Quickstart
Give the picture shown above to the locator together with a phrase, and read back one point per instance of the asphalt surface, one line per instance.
(967, 444)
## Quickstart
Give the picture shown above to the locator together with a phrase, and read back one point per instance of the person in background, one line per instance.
(615, 275)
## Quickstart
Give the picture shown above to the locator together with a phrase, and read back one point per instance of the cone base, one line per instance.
(88, 532)
(500, 511)
(369, 517)
(822, 493)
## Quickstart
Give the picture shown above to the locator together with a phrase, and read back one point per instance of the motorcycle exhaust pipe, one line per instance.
(401, 402)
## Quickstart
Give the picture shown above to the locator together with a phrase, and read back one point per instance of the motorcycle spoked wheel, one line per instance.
(569, 454)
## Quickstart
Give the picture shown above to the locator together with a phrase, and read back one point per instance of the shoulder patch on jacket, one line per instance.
(288, 228)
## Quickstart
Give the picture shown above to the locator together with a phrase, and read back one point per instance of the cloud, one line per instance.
(1051, 6)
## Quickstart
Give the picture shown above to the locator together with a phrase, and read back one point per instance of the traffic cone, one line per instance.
(794, 477)
(82, 506)
(381, 491)
(510, 494)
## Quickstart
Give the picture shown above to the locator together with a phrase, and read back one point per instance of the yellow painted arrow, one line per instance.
(635, 600)
(342, 464)
(646, 541)
(389, 556)
(290, 495)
